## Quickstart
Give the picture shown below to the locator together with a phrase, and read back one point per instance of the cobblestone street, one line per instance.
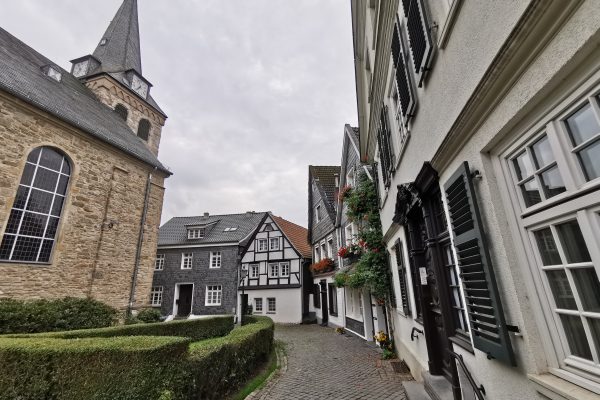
(324, 365)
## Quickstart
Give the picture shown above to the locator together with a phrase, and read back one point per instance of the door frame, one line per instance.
(324, 302)
(176, 297)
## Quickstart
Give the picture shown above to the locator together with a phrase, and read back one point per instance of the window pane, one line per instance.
(523, 166)
(572, 242)
(33, 225)
(552, 182)
(531, 193)
(57, 206)
(52, 227)
(27, 174)
(590, 159)
(34, 155)
(576, 336)
(561, 289)
(595, 327)
(62, 185)
(547, 247)
(588, 288)
(45, 179)
(6, 246)
(13, 221)
(46, 251)
(51, 159)
(39, 201)
(582, 125)
(21, 197)
(26, 249)
(542, 152)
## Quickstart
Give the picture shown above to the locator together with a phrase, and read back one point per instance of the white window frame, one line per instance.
(350, 178)
(196, 233)
(349, 233)
(284, 269)
(330, 247)
(159, 263)
(254, 270)
(324, 249)
(276, 241)
(317, 253)
(274, 270)
(214, 293)
(274, 302)
(571, 204)
(185, 257)
(215, 260)
(258, 301)
(156, 295)
(318, 213)
(259, 245)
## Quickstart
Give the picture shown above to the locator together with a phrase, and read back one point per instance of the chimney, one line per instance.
(206, 214)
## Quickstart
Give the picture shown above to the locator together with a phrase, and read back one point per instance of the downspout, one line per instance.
(138, 252)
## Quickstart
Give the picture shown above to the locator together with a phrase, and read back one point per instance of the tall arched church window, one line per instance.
(122, 111)
(33, 222)
(144, 129)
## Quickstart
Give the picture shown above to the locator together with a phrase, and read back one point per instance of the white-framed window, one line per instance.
(215, 259)
(213, 295)
(274, 243)
(349, 233)
(186, 260)
(258, 305)
(261, 245)
(553, 175)
(253, 270)
(284, 269)
(317, 253)
(324, 250)
(159, 264)
(271, 305)
(330, 247)
(156, 296)
(350, 178)
(196, 233)
(318, 213)
(274, 270)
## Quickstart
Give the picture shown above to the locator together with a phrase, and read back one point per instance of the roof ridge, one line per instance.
(220, 215)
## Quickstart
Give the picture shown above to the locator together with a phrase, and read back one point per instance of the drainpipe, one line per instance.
(138, 252)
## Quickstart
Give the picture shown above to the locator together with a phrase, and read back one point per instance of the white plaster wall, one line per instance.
(334, 321)
(288, 304)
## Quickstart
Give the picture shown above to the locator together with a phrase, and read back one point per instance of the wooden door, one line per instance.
(184, 302)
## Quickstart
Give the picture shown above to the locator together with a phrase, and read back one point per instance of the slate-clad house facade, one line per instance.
(81, 188)
(483, 121)
(273, 270)
(196, 270)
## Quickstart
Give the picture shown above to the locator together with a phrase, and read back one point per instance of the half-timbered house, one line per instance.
(273, 268)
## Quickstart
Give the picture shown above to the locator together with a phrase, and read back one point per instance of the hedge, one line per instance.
(195, 329)
(94, 368)
(18, 316)
(216, 366)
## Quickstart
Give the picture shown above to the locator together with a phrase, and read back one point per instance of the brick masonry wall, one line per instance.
(90, 258)
(201, 276)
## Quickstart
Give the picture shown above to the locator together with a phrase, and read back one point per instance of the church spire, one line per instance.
(119, 48)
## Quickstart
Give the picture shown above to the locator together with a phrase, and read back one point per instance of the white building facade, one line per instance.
(484, 121)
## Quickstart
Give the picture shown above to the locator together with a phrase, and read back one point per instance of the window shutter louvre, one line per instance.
(376, 182)
(419, 37)
(405, 93)
(402, 277)
(385, 152)
(486, 316)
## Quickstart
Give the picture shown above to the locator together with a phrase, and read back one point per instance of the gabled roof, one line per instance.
(69, 100)
(324, 177)
(296, 234)
(174, 231)
(119, 48)
(350, 145)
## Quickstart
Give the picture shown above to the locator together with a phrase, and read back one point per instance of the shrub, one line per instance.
(54, 315)
(217, 366)
(195, 329)
(149, 315)
(129, 368)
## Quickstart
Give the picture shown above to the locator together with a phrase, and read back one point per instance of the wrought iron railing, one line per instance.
(479, 391)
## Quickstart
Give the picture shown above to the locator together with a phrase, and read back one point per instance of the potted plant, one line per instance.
(323, 266)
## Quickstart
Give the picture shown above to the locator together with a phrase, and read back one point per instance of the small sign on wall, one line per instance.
(423, 275)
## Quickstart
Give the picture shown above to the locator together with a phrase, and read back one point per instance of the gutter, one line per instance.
(138, 252)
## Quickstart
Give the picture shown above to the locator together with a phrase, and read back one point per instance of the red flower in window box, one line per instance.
(325, 265)
(343, 252)
(344, 192)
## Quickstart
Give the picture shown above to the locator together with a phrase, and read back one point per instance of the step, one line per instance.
(415, 391)
(437, 387)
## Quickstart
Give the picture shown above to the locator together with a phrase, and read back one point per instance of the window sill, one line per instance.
(333, 314)
(31, 263)
(556, 388)
(271, 312)
(462, 342)
(212, 305)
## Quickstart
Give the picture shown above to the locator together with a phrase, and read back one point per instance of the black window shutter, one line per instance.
(402, 277)
(419, 37)
(374, 167)
(382, 159)
(405, 93)
(486, 316)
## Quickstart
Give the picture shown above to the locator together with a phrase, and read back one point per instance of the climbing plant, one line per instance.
(371, 269)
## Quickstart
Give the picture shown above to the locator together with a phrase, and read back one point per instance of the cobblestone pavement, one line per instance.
(324, 365)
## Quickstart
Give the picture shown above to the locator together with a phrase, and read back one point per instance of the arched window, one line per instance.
(33, 221)
(122, 111)
(144, 129)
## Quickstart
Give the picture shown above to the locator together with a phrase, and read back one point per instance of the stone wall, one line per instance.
(95, 248)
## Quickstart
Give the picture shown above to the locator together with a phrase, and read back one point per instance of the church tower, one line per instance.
(114, 73)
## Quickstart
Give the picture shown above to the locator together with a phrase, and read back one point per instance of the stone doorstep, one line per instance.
(437, 387)
(415, 391)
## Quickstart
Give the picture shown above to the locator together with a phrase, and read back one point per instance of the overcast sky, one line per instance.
(255, 90)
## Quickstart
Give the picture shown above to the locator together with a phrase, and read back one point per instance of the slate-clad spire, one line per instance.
(119, 48)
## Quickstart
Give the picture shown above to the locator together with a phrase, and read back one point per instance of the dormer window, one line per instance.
(196, 233)
(103, 42)
(53, 72)
(318, 213)
(230, 229)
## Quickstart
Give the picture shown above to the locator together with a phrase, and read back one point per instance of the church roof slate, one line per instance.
(69, 100)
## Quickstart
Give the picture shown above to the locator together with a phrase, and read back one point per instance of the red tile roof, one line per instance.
(296, 234)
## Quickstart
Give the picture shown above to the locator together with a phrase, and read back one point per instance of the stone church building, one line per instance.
(81, 187)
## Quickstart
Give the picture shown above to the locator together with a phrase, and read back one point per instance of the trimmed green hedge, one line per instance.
(195, 329)
(100, 368)
(217, 366)
(34, 316)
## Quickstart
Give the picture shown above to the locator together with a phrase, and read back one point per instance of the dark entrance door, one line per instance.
(244, 303)
(324, 304)
(184, 302)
